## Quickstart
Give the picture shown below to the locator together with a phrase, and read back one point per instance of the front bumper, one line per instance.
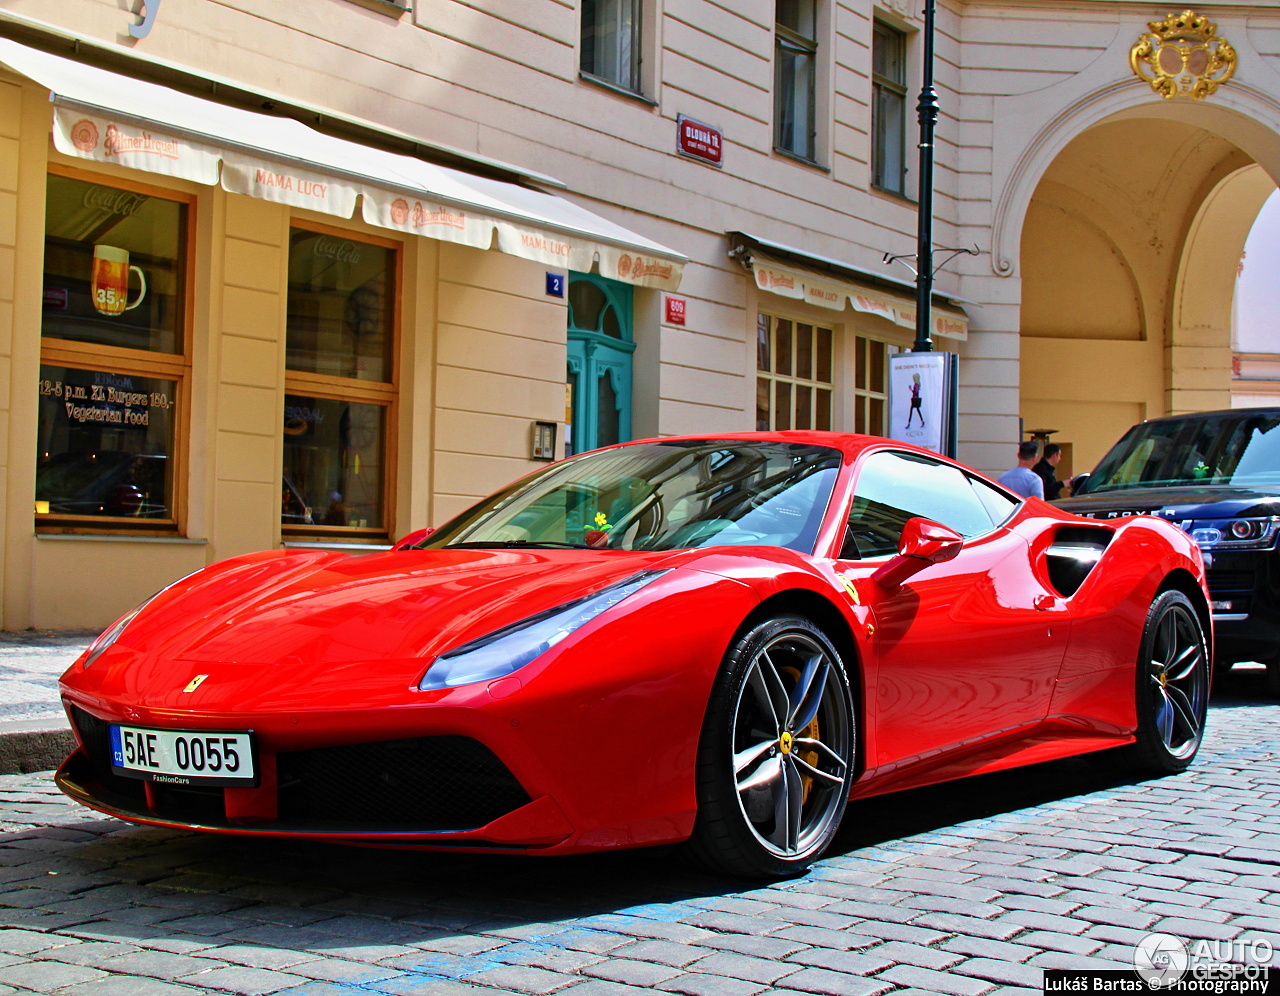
(1244, 588)
(444, 791)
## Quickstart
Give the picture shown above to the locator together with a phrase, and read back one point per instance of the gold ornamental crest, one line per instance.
(1183, 56)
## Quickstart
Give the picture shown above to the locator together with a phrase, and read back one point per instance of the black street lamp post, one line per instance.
(928, 111)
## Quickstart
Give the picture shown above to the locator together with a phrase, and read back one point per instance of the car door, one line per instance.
(966, 649)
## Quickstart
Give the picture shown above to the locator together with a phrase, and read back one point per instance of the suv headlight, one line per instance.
(508, 649)
(1237, 534)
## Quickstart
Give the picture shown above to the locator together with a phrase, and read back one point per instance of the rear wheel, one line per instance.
(775, 762)
(1172, 694)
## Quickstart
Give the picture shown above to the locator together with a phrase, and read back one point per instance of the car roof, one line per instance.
(1213, 414)
(850, 444)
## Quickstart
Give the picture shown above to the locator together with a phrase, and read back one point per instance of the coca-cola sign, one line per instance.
(336, 249)
(113, 201)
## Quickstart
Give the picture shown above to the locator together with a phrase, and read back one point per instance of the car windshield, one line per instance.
(660, 496)
(1240, 448)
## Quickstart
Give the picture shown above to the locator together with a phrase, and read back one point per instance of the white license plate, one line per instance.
(183, 757)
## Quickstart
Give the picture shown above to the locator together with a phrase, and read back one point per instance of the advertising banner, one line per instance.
(922, 400)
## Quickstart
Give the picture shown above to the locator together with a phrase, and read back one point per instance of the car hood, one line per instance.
(323, 608)
(1187, 502)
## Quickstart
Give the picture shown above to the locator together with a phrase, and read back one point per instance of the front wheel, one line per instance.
(775, 761)
(1172, 694)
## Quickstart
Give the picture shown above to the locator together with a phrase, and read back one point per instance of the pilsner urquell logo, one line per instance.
(84, 135)
(119, 144)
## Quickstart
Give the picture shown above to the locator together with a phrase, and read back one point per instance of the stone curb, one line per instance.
(33, 745)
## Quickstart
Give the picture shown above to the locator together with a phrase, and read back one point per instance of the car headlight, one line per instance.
(1237, 534)
(512, 647)
(112, 633)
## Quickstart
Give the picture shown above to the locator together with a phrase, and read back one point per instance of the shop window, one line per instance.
(870, 385)
(339, 384)
(611, 42)
(599, 361)
(889, 109)
(796, 78)
(113, 371)
(793, 374)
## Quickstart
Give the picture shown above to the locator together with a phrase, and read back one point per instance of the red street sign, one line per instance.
(675, 310)
(699, 141)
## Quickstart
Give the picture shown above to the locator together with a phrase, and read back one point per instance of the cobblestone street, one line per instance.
(967, 889)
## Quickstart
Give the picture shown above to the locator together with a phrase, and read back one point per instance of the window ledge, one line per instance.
(620, 90)
(392, 8)
(787, 154)
(121, 538)
(344, 547)
(894, 195)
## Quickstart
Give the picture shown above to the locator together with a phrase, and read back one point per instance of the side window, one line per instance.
(998, 504)
(612, 42)
(894, 487)
(795, 78)
(888, 109)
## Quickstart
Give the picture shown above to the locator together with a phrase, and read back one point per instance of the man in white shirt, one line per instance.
(1022, 479)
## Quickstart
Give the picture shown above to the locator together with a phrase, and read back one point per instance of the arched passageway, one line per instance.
(1128, 255)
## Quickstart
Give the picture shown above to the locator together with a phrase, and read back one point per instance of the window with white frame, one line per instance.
(793, 374)
(796, 375)
(870, 385)
(611, 42)
(796, 78)
(888, 109)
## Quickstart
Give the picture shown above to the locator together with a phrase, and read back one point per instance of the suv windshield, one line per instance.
(1240, 448)
(660, 496)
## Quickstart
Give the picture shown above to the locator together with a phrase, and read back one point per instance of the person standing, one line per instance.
(1022, 479)
(1046, 469)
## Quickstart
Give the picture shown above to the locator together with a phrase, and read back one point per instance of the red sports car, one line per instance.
(717, 640)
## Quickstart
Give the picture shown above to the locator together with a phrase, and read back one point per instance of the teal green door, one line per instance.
(599, 361)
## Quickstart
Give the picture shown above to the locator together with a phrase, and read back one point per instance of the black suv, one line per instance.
(1217, 476)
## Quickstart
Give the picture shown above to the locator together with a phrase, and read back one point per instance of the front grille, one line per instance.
(97, 748)
(425, 783)
(1230, 582)
(429, 784)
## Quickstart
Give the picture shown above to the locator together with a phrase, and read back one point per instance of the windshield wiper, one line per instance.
(518, 544)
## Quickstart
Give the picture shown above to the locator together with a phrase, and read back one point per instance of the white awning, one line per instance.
(107, 117)
(787, 278)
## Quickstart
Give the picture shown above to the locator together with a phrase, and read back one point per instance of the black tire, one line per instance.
(1171, 689)
(776, 756)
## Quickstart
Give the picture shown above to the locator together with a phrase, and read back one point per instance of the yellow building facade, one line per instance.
(280, 274)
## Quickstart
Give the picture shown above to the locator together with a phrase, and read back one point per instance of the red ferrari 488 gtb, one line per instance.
(716, 640)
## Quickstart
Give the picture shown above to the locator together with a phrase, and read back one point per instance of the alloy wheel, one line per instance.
(792, 733)
(1178, 679)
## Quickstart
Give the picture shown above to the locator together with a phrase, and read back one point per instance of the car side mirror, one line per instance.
(413, 538)
(1079, 483)
(922, 544)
